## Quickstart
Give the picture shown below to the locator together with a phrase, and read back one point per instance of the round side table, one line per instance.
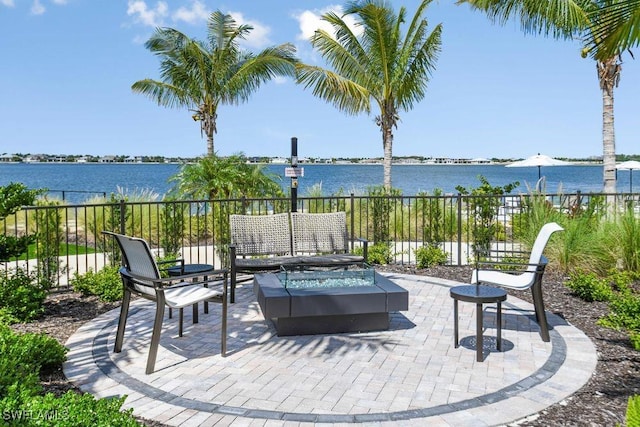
(478, 294)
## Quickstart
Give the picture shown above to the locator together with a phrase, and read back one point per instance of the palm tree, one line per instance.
(379, 66)
(588, 19)
(202, 76)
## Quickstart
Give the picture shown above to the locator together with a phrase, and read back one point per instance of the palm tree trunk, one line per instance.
(387, 143)
(609, 75)
(210, 151)
(209, 127)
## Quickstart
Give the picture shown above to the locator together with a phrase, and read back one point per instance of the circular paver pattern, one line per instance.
(410, 374)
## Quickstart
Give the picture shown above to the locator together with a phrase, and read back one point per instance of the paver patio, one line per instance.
(410, 374)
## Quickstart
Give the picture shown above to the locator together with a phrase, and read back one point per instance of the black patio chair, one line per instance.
(141, 276)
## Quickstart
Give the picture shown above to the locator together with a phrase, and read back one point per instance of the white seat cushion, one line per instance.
(513, 281)
(182, 296)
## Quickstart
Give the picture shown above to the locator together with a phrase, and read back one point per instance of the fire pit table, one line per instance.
(313, 301)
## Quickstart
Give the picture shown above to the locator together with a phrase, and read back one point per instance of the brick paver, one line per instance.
(408, 375)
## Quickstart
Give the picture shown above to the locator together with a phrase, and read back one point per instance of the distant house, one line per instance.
(34, 158)
(107, 159)
(480, 161)
(7, 158)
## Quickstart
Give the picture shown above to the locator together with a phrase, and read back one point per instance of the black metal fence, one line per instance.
(68, 238)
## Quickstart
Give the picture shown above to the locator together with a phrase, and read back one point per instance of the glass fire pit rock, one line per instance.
(351, 276)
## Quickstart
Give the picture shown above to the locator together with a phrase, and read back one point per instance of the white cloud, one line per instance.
(309, 21)
(37, 8)
(197, 13)
(143, 14)
(279, 80)
(258, 37)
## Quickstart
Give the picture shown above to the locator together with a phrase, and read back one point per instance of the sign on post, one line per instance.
(293, 172)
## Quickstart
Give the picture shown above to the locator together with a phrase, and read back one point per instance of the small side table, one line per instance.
(192, 269)
(478, 294)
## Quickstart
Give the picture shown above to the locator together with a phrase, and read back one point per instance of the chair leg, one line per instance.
(541, 316)
(223, 337)
(233, 286)
(155, 336)
(206, 303)
(122, 322)
(181, 317)
(195, 313)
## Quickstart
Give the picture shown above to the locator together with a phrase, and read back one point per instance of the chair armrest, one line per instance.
(507, 266)
(212, 276)
(173, 262)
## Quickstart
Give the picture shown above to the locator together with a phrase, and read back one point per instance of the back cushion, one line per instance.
(261, 234)
(319, 233)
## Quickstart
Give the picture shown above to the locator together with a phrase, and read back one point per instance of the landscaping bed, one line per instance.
(602, 401)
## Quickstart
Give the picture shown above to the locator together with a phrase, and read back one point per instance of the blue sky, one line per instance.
(67, 67)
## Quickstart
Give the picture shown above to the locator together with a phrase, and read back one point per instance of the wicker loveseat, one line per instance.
(269, 242)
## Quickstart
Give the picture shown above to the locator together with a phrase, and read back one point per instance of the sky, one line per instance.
(67, 67)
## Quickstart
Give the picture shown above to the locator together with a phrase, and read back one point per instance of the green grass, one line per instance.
(65, 249)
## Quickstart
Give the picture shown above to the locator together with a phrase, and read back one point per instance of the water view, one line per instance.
(82, 181)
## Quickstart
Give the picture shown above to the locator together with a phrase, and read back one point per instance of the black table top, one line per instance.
(478, 293)
(189, 269)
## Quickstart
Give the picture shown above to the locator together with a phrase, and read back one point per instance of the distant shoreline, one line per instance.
(302, 164)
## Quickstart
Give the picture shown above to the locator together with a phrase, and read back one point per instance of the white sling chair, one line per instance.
(529, 277)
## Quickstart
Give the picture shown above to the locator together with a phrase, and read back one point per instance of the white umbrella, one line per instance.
(629, 165)
(538, 160)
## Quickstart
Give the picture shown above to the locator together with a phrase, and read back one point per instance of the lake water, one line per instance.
(411, 179)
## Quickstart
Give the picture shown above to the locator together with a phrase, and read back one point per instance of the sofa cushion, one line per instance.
(265, 263)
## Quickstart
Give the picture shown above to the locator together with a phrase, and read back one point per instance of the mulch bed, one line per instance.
(601, 402)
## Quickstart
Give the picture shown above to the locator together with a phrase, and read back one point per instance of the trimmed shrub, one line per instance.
(589, 287)
(430, 255)
(633, 411)
(378, 253)
(21, 297)
(625, 313)
(70, 409)
(106, 283)
(23, 357)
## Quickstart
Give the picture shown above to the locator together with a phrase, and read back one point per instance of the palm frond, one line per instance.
(345, 94)
(558, 18)
(616, 28)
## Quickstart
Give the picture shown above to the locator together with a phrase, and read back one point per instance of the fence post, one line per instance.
(459, 229)
(578, 200)
(353, 220)
(123, 217)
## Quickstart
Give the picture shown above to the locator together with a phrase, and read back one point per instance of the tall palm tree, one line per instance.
(379, 66)
(202, 76)
(574, 18)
